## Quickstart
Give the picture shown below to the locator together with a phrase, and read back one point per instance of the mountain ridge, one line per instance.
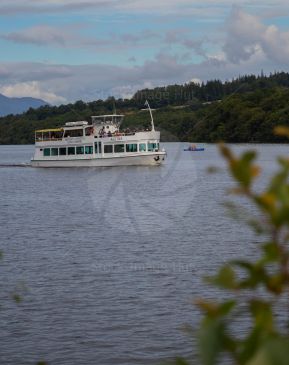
(18, 105)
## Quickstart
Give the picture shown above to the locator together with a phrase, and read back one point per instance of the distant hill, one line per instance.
(18, 105)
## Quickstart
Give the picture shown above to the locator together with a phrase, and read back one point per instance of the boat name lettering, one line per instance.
(73, 140)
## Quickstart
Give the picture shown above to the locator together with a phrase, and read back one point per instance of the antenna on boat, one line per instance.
(152, 119)
(114, 108)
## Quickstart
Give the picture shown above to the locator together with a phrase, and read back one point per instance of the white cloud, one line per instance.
(196, 81)
(31, 89)
(247, 36)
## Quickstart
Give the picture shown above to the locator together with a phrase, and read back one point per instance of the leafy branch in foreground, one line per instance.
(256, 290)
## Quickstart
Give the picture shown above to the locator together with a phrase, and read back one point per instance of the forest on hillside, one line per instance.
(245, 109)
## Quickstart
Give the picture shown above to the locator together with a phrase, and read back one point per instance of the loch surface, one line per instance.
(108, 261)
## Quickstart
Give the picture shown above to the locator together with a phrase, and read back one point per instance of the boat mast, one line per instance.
(152, 119)
(114, 108)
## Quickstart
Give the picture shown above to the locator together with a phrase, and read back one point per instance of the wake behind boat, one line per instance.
(100, 143)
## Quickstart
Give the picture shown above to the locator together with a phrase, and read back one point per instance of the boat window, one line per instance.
(46, 152)
(54, 151)
(88, 150)
(96, 147)
(99, 147)
(118, 148)
(153, 146)
(73, 133)
(142, 147)
(62, 151)
(131, 147)
(108, 148)
(80, 150)
(71, 150)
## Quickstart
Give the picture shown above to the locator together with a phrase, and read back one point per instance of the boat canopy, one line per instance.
(75, 124)
(49, 130)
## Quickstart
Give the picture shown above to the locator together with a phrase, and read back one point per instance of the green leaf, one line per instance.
(242, 169)
(243, 264)
(267, 202)
(226, 278)
(226, 307)
(256, 274)
(262, 314)
(214, 310)
(250, 345)
(248, 157)
(282, 215)
(271, 252)
(210, 339)
(275, 283)
(273, 352)
(280, 179)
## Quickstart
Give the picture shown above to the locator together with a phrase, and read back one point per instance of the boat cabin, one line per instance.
(71, 129)
(107, 125)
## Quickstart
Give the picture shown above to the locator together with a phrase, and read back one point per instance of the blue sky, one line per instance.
(66, 50)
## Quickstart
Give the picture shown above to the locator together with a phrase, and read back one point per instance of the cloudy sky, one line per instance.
(66, 50)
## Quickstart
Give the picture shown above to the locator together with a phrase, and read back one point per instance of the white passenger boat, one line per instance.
(100, 143)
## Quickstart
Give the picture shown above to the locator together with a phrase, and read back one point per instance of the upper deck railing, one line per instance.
(115, 119)
(52, 136)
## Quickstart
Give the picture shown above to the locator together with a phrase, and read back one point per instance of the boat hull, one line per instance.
(152, 159)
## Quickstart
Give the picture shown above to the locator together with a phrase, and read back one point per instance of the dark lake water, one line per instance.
(108, 261)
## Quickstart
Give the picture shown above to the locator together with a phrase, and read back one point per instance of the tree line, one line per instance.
(245, 109)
